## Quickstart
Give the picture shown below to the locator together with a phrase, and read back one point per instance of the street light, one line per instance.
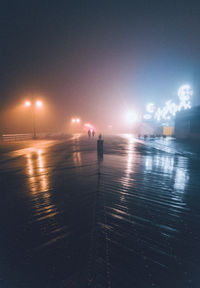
(76, 120)
(39, 104)
(27, 104)
(33, 105)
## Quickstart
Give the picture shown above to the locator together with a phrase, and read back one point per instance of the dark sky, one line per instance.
(94, 58)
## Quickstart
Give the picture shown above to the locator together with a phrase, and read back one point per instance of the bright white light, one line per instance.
(27, 103)
(77, 120)
(185, 92)
(39, 104)
(147, 116)
(150, 108)
(131, 117)
(73, 120)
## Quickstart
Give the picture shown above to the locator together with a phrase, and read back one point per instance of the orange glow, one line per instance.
(27, 104)
(39, 104)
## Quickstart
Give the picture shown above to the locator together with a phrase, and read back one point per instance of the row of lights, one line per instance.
(38, 104)
(76, 120)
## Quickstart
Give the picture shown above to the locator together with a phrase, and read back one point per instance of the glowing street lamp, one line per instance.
(76, 120)
(27, 104)
(37, 104)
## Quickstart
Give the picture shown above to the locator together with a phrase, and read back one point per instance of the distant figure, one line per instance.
(93, 133)
(100, 147)
(89, 133)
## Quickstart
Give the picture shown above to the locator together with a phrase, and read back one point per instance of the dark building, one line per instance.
(187, 123)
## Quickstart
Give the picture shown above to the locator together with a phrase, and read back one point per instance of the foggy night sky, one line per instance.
(94, 58)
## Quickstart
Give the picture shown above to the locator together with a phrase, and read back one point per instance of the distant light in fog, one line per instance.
(131, 117)
(27, 104)
(39, 104)
(76, 120)
(88, 126)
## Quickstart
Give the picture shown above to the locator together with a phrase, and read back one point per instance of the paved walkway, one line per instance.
(71, 220)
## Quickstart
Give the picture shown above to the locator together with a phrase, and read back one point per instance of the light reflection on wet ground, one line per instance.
(128, 220)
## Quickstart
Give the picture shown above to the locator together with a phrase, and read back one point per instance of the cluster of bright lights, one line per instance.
(76, 120)
(169, 110)
(38, 103)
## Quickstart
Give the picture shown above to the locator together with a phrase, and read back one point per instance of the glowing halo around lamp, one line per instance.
(27, 104)
(39, 104)
(76, 120)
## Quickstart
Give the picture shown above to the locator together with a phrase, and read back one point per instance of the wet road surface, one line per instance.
(69, 219)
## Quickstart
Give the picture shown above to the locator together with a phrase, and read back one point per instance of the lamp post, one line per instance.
(34, 105)
(76, 125)
(76, 120)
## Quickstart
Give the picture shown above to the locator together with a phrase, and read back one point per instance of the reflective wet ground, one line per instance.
(69, 219)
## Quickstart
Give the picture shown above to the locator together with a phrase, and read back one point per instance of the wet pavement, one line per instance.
(69, 219)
